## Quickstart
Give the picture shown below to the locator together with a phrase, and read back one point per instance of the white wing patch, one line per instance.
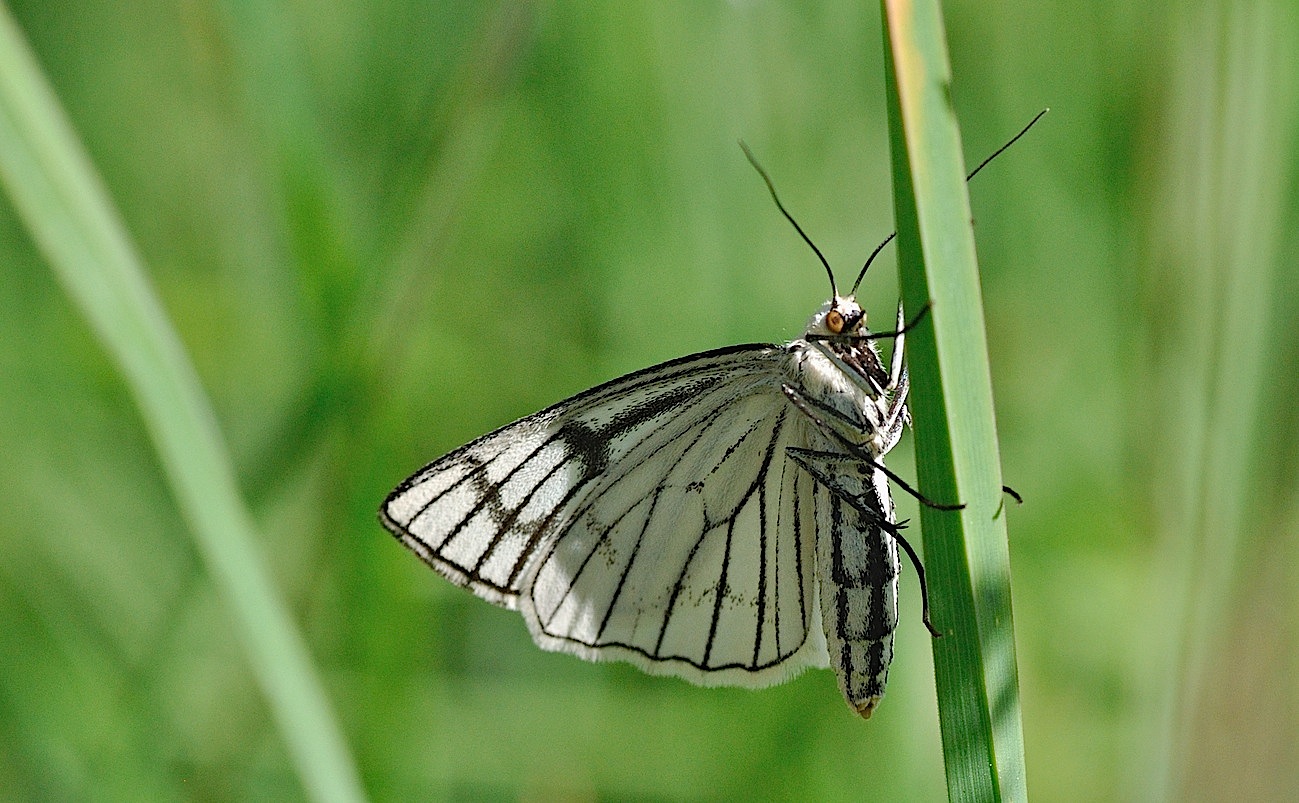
(653, 519)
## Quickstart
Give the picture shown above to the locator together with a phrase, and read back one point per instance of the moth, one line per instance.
(724, 517)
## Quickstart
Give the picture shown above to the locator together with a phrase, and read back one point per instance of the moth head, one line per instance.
(838, 316)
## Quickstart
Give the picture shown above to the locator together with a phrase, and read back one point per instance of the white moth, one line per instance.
(723, 517)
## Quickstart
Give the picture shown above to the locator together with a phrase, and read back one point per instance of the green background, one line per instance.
(382, 229)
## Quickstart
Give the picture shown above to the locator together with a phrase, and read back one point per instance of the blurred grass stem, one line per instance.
(1235, 98)
(61, 200)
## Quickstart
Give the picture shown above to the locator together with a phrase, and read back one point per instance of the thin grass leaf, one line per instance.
(59, 196)
(966, 553)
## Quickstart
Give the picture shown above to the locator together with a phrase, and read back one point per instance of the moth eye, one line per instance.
(834, 321)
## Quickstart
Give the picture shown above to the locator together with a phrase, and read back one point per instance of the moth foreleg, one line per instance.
(897, 371)
(864, 381)
(894, 410)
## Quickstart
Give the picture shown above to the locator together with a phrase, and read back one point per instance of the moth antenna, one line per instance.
(1012, 141)
(871, 259)
(971, 175)
(753, 160)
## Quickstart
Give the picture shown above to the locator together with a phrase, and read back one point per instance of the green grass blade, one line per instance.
(59, 197)
(966, 553)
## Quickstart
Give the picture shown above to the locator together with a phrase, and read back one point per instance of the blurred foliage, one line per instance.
(384, 228)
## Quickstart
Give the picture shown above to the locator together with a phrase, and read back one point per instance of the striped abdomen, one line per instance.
(858, 570)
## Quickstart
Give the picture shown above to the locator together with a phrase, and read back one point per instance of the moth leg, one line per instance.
(924, 587)
(899, 381)
(818, 465)
(1006, 490)
(898, 372)
(895, 414)
(896, 418)
(842, 428)
(825, 416)
(866, 383)
(892, 409)
(809, 408)
(847, 483)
